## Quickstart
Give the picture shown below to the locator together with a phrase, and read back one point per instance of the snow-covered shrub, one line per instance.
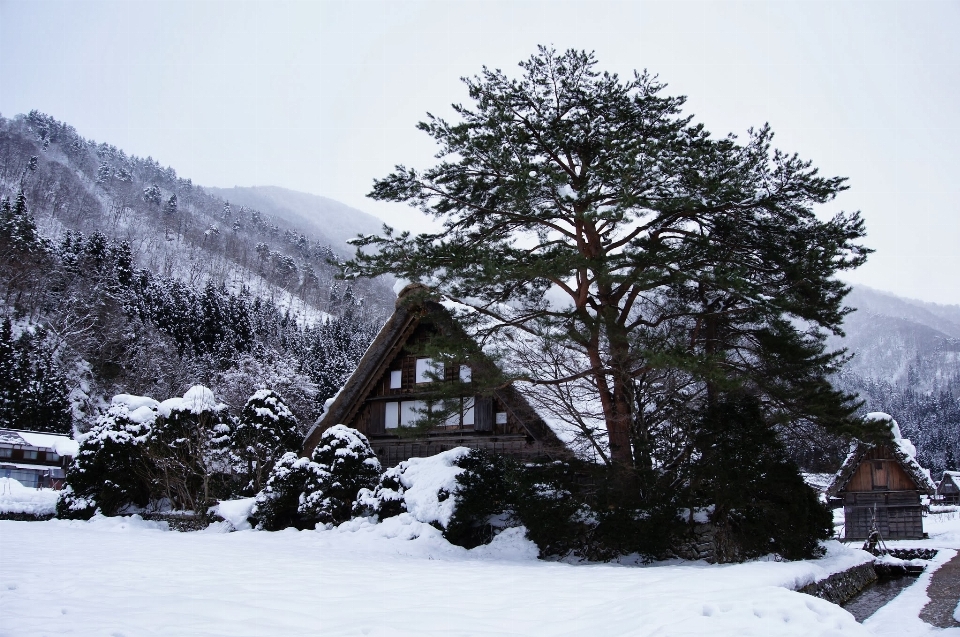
(283, 501)
(110, 469)
(188, 446)
(484, 498)
(349, 463)
(422, 487)
(570, 509)
(265, 430)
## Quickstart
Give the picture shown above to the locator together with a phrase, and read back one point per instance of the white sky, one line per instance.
(323, 97)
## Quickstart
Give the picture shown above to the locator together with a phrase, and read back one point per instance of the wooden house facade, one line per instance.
(948, 490)
(395, 384)
(881, 484)
(35, 459)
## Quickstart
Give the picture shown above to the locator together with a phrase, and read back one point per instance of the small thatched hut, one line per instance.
(881, 484)
(948, 491)
(395, 382)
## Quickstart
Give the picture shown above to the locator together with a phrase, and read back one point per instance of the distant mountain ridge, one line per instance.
(325, 217)
(906, 362)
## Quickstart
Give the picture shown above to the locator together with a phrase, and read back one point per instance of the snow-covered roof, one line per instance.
(63, 445)
(902, 449)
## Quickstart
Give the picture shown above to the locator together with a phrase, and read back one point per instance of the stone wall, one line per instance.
(840, 587)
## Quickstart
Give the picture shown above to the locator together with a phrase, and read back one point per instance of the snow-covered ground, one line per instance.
(125, 576)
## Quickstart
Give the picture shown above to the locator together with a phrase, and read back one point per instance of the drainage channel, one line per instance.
(874, 596)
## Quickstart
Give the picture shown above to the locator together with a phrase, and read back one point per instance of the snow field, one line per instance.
(124, 576)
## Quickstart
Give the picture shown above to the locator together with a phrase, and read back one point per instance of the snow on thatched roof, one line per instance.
(903, 450)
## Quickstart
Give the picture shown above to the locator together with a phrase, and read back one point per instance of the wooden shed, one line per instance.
(948, 491)
(395, 381)
(882, 482)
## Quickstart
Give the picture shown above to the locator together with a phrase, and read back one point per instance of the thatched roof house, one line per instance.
(395, 384)
(881, 484)
(948, 490)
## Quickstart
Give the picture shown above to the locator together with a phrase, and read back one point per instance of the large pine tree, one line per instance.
(589, 213)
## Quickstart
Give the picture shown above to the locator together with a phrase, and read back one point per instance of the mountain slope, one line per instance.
(126, 278)
(324, 217)
(906, 361)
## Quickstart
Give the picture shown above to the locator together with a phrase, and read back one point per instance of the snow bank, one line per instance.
(236, 512)
(902, 615)
(16, 498)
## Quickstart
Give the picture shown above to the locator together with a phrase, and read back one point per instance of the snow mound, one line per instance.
(16, 498)
(197, 400)
(236, 512)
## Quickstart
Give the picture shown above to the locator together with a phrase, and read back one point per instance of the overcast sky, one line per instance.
(323, 97)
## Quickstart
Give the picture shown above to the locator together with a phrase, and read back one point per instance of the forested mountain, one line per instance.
(321, 216)
(118, 276)
(907, 363)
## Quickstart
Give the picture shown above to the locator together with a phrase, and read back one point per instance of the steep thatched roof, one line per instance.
(414, 304)
(903, 451)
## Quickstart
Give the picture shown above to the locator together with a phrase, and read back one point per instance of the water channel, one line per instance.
(869, 600)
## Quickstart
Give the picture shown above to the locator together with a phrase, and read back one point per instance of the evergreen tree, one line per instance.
(188, 448)
(110, 471)
(171, 206)
(265, 430)
(588, 213)
(153, 195)
(348, 465)
(281, 503)
(33, 387)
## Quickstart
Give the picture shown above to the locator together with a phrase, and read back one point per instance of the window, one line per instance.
(391, 416)
(428, 370)
(52, 456)
(468, 412)
(6, 452)
(466, 374)
(410, 412)
(501, 417)
(396, 378)
(29, 454)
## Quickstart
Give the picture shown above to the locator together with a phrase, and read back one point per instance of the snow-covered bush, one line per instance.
(484, 498)
(350, 465)
(302, 492)
(283, 501)
(110, 468)
(188, 446)
(422, 487)
(265, 430)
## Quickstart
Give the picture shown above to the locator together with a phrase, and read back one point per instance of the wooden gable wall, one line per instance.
(880, 471)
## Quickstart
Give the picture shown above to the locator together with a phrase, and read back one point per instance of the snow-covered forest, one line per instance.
(118, 276)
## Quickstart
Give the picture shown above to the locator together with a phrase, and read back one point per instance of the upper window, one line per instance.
(52, 456)
(396, 379)
(429, 370)
(30, 454)
(465, 374)
(5, 452)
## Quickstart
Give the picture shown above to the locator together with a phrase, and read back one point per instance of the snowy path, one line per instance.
(124, 577)
(944, 594)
